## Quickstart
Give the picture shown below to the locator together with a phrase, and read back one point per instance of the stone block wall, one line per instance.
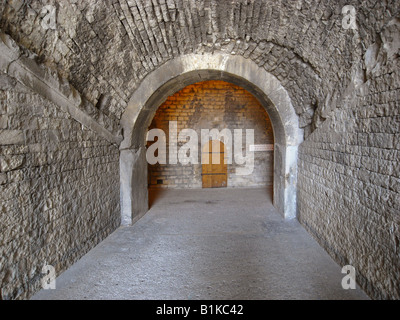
(59, 189)
(349, 179)
(214, 105)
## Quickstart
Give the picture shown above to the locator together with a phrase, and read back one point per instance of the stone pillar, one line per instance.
(133, 185)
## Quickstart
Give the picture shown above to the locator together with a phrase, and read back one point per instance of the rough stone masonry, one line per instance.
(63, 92)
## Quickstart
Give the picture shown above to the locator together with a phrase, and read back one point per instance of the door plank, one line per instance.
(215, 173)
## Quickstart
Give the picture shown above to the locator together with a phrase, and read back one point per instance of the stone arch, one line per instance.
(181, 72)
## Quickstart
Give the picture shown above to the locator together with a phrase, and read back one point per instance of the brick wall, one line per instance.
(59, 189)
(213, 105)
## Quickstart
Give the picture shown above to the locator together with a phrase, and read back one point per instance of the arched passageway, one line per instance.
(181, 72)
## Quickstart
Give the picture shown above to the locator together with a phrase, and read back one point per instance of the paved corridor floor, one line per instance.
(206, 244)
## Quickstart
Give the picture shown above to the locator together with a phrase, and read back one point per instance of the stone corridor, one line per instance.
(83, 83)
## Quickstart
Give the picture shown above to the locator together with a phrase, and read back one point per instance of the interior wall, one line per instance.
(213, 105)
(349, 173)
(59, 189)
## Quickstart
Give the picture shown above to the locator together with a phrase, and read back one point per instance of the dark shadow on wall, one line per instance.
(155, 194)
(270, 192)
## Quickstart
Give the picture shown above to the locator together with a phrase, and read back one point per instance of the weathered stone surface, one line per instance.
(48, 84)
(59, 191)
(3, 178)
(348, 179)
(9, 163)
(10, 137)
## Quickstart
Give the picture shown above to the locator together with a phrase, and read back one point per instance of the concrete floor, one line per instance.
(206, 244)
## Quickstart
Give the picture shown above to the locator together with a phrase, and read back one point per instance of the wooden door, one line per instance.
(215, 172)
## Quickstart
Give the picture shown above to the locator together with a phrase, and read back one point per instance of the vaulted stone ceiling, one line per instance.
(105, 48)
